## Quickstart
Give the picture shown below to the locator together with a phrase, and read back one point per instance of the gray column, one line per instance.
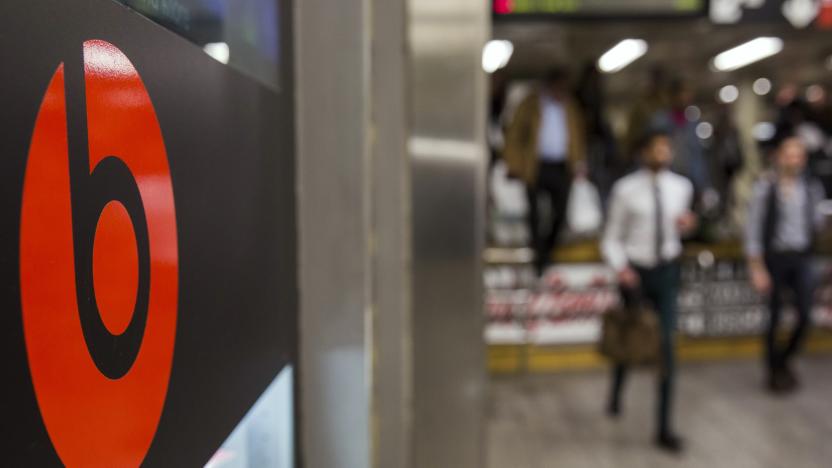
(332, 45)
(392, 357)
(447, 151)
(391, 121)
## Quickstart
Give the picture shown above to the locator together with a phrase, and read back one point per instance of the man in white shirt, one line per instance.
(649, 213)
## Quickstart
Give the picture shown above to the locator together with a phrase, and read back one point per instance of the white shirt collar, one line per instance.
(659, 175)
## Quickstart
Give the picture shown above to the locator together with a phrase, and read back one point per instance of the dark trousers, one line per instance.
(659, 287)
(553, 182)
(790, 272)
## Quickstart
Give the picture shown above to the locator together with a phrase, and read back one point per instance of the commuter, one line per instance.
(602, 149)
(649, 213)
(545, 148)
(689, 153)
(783, 218)
(654, 100)
(727, 157)
(495, 131)
(806, 120)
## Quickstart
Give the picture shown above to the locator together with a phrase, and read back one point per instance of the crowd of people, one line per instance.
(660, 183)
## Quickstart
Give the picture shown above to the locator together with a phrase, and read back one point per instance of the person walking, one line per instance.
(689, 157)
(545, 148)
(648, 216)
(783, 218)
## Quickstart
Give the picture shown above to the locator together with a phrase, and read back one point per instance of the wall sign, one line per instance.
(714, 302)
(148, 244)
(597, 8)
(98, 266)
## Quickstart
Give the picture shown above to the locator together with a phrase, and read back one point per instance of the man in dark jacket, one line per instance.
(782, 223)
(546, 148)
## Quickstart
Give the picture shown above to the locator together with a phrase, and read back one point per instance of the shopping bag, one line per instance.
(583, 213)
(630, 336)
(509, 194)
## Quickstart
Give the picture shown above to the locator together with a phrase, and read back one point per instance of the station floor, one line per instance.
(722, 411)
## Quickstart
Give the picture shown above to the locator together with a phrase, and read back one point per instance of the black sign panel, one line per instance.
(148, 248)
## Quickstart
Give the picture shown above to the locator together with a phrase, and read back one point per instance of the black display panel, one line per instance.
(148, 247)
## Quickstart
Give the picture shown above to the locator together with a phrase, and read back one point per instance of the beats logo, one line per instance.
(99, 262)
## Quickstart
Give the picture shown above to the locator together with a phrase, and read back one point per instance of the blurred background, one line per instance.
(736, 73)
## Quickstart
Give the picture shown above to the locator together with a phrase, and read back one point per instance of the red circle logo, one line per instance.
(99, 264)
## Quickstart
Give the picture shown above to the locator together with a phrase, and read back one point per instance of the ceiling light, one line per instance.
(693, 113)
(496, 54)
(729, 94)
(621, 55)
(763, 131)
(762, 86)
(704, 130)
(218, 50)
(748, 53)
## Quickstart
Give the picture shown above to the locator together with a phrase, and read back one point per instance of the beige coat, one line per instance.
(520, 150)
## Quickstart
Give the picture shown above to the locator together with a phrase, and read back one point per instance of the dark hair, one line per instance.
(556, 75)
(783, 133)
(658, 75)
(650, 135)
(677, 85)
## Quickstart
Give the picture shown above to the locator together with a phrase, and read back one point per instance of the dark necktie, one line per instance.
(659, 237)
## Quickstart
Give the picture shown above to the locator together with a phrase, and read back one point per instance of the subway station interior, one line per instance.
(416, 233)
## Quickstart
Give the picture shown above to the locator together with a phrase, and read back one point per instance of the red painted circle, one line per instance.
(115, 267)
(93, 420)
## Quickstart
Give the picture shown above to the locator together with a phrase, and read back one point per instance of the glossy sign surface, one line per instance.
(99, 414)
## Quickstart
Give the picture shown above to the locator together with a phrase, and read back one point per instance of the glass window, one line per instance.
(265, 437)
(242, 33)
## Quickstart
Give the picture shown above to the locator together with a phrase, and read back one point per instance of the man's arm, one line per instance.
(760, 277)
(817, 195)
(612, 247)
(517, 136)
(688, 222)
(578, 136)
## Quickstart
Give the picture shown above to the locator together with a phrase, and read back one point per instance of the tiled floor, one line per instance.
(728, 421)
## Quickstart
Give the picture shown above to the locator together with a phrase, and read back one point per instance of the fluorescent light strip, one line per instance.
(748, 53)
(621, 55)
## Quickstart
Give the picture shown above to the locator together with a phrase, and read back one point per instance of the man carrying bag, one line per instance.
(630, 333)
(649, 213)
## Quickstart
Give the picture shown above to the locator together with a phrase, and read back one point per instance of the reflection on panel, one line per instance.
(265, 436)
(242, 33)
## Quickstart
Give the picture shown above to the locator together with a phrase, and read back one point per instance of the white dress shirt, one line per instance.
(630, 234)
(553, 136)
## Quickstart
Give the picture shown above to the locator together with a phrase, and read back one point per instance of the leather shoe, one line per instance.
(670, 443)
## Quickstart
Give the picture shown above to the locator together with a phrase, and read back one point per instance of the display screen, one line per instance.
(592, 8)
(242, 33)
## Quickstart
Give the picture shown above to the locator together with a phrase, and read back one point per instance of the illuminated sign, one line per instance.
(592, 8)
